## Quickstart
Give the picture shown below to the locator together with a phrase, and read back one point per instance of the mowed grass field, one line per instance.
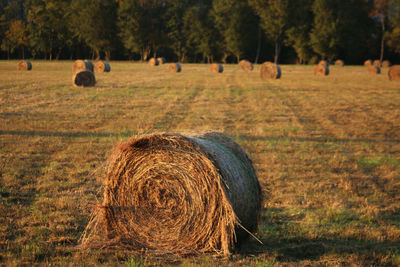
(326, 151)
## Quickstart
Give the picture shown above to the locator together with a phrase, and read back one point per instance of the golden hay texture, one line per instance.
(323, 62)
(386, 64)
(24, 65)
(321, 70)
(377, 62)
(83, 78)
(153, 62)
(82, 65)
(270, 70)
(246, 65)
(374, 69)
(161, 60)
(339, 62)
(102, 66)
(368, 62)
(174, 67)
(216, 68)
(394, 73)
(171, 194)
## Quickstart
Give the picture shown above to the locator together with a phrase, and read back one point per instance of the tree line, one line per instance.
(288, 31)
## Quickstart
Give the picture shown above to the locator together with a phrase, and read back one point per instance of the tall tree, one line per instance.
(15, 37)
(274, 17)
(393, 35)
(380, 12)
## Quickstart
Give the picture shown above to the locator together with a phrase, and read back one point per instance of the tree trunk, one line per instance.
(277, 51)
(383, 39)
(258, 45)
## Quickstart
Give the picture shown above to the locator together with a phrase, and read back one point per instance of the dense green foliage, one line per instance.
(205, 30)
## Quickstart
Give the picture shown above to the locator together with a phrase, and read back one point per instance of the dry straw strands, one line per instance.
(24, 65)
(246, 65)
(216, 68)
(339, 62)
(321, 70)
(174, 67)
(374, 69)
(394, 73)
(83, 78)
(153, 62)
(82, 65)
(270, 70)
(170, 194)
(161, 60)
(102, 66)
(386, 64)
(368, 62)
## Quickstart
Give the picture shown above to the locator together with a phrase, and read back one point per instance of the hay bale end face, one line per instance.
(161, 60)
(270, 70)
(102, 66)
(216, 68)
(386, 64)
(377, 62)
(339, 63)
(153, 62)
(321, 70)
(80, 65)
(174, 67)
(394, 73)
(246, 65)
(323, 62)
(368, 62)
(374, 69)
(83, 78)
(24, 65)
(171, 194)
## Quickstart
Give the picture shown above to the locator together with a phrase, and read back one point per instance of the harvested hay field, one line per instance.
(325, 151)
(201, 186)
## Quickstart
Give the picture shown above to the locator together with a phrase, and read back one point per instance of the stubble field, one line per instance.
(326, 151)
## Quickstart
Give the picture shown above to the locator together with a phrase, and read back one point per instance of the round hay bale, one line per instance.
(386, 64)
(84, 78)
(82, 65)
(270, 70)
(102, 66)
(374, 69)
(161, 60)
(176, 194)
(394, 73)
(321, 70)
(377, 62)
(246, 65)
(368, 62)
(174, 67)
(339, 63)
(153, 62)
(323, 62)
(24, 65)
(216, 68)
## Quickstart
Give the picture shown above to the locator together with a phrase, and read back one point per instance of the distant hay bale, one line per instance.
(323, 62)
(161, 60)
(24, 65)
(174, 67)
(102, 66)
(82, 65)
(339, 63)
(216, 68)
(321, 70)
(270, 70)
(173, 194)
(83, 78)
(246, 65)
(374, 69)
(394, 73)
(377, 62)
(386, 64)
(153, 62)
(368, 62)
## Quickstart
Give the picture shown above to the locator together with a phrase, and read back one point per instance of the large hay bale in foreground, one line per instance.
(102, 66)
(174, 67)
(153, 62)
(246, 65)
(216, 68)
(374, 69)
(321, 70)
(394, 73)
(84, 78)
(24, 65)
(386, 64)
(176, 194)
(82, 65)
(339, 63)
(270, 70)
(161, 60)
(368, 63)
